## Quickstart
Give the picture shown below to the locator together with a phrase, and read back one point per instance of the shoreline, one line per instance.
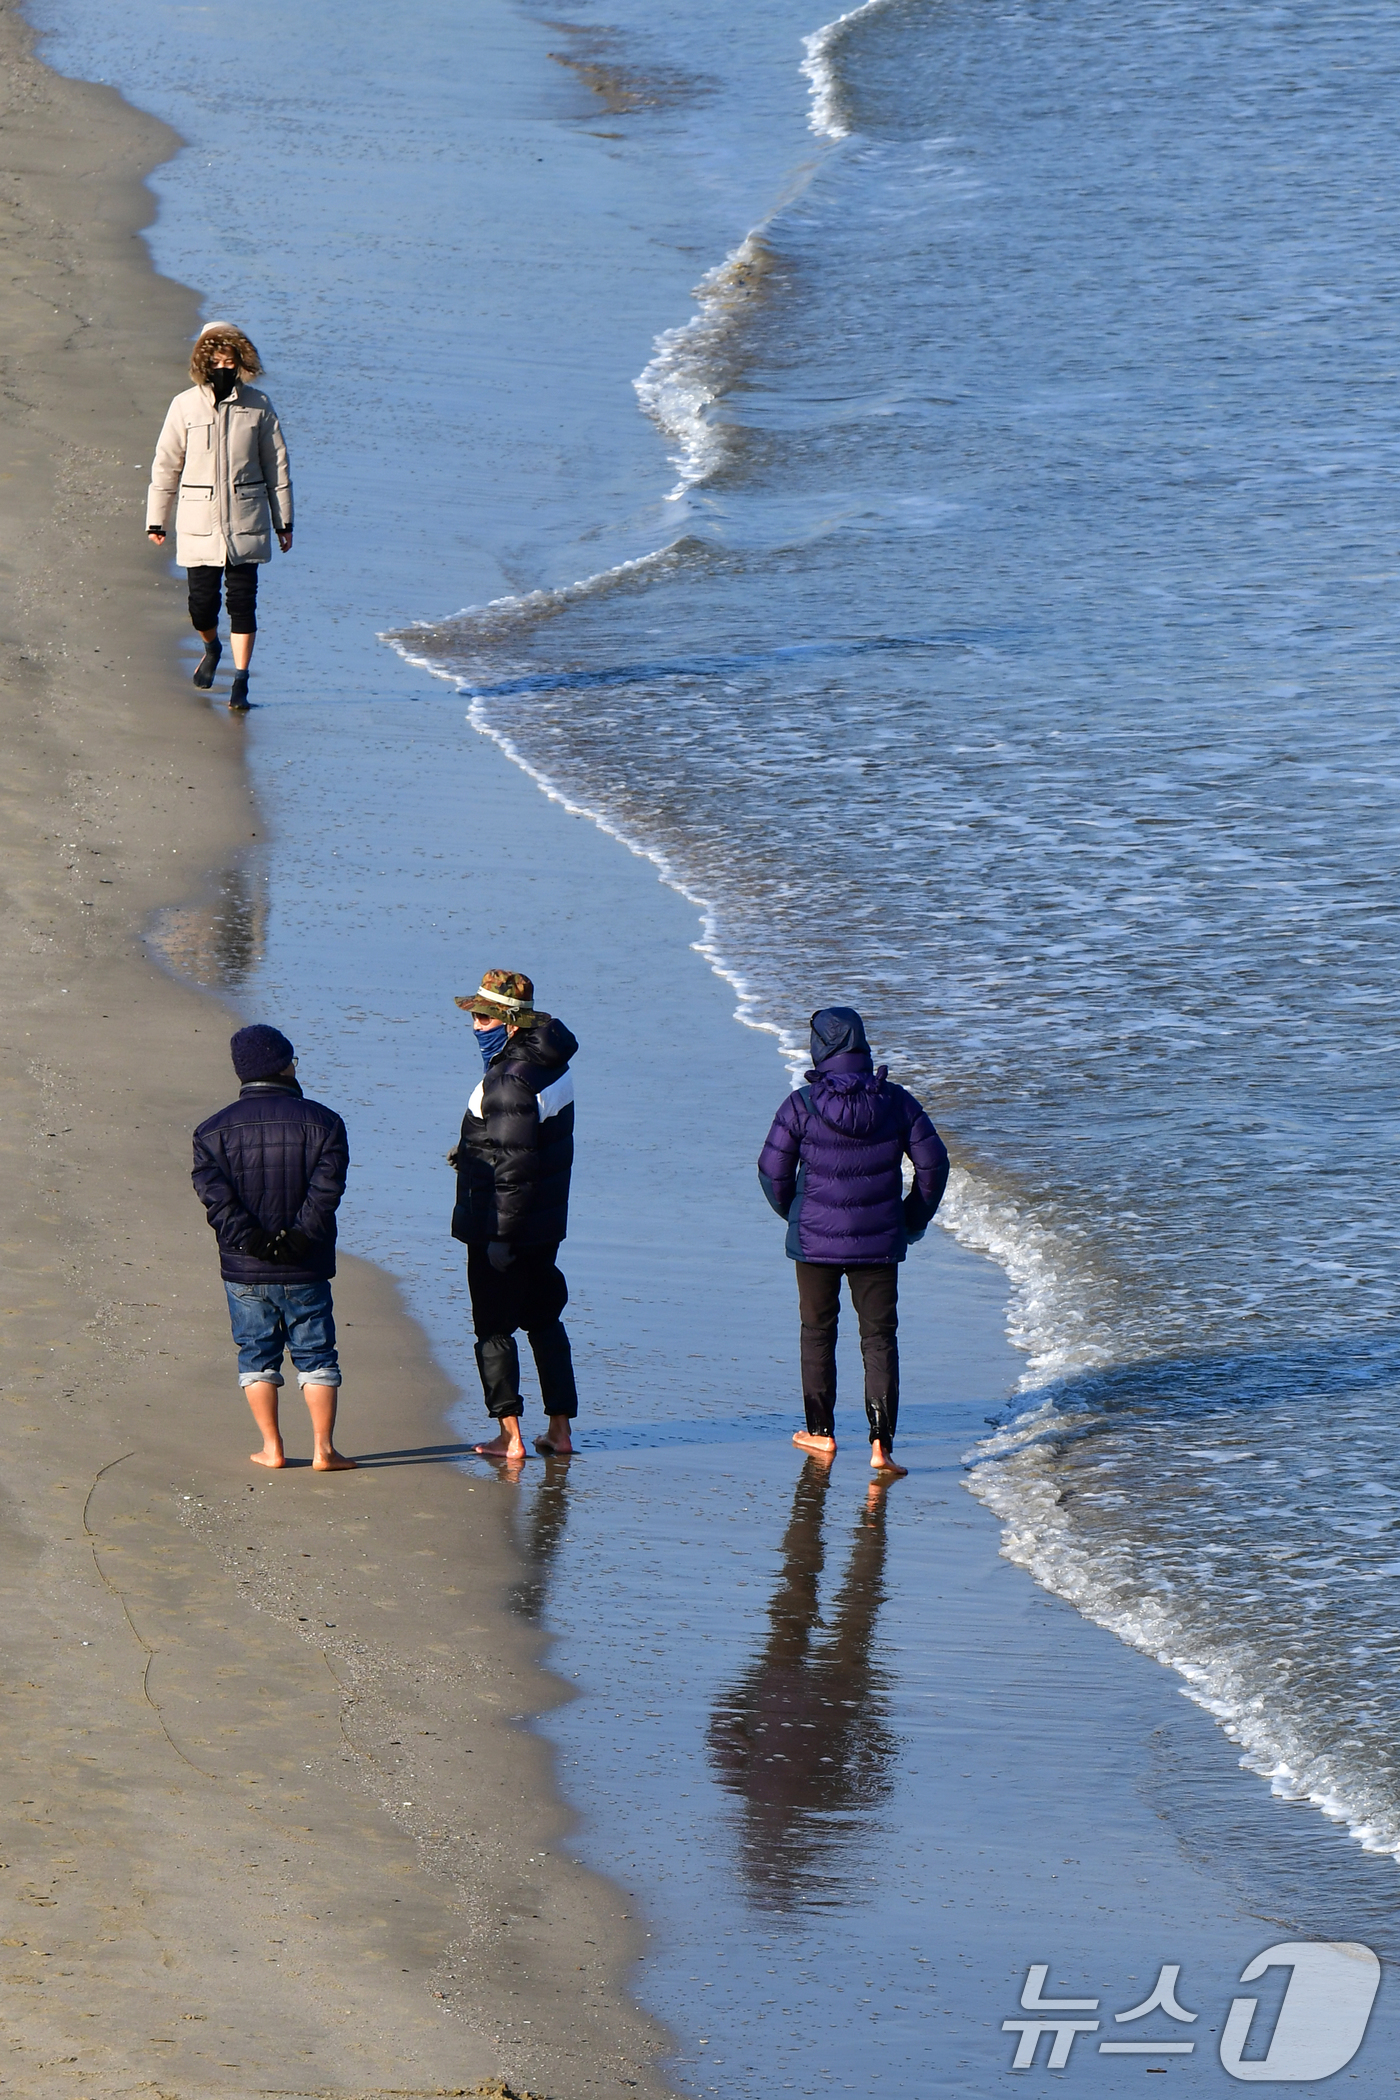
(162, 1707)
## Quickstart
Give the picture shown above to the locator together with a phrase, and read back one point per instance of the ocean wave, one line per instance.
(694, 364)
(830, 113)
(1060, 1311)
(1300, 1715)
(476, 642)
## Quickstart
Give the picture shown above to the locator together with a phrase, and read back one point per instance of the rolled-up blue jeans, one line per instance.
(268, 1318)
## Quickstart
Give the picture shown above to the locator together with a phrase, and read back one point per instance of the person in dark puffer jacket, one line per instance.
(270, 1171)
(513, 1161)
(833, 1167)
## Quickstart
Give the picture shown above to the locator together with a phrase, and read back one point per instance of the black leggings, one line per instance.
(875, 1296)
(530, 1294)
(240, 581)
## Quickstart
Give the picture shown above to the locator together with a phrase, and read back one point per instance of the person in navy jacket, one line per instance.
(833, 1166)
(270, 1171)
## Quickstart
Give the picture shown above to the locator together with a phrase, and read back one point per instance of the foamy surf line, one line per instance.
(693, 365)
(830, 115)
(1010, 1476)
(746, 1009)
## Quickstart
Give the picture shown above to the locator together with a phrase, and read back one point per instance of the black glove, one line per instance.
(500, 1254)
(261, 1245)
(452, 1155)
(291, 1248)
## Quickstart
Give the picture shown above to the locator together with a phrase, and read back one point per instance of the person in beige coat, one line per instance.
(221, 466)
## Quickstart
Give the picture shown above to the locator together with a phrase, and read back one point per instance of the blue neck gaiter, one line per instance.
(490, 1040)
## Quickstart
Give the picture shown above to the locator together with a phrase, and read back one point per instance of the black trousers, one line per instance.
(240, 582)
(531, 1294)
(875, 1296)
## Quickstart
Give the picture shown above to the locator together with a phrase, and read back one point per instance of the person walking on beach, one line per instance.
(221, 465)
(513, 1162)
(270, 1171)
(833, 1167)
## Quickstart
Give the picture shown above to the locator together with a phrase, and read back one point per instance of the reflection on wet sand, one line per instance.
(804, 1736)
(219, 942)
(543, 1534)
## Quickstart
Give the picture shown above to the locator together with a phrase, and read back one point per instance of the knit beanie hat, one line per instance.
(260, 1052)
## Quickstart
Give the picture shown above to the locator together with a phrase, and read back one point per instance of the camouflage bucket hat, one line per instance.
(505, 995)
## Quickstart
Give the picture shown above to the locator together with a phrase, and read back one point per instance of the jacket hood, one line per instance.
(844, 1061)
(836, 1029)
(858, 1104)
(548, 1043)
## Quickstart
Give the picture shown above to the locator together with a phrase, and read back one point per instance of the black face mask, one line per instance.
(223, 379)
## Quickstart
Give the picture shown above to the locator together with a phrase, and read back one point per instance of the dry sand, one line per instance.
(270, 1826)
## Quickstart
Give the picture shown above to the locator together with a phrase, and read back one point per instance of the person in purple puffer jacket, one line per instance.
(833, 1166)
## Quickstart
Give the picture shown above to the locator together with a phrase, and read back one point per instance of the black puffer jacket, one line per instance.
(517, 1147)
(272, 1161)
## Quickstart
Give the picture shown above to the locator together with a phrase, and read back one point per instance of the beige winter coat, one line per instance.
(223, 469)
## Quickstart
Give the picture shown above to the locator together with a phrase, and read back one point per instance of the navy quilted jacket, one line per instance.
(833, 1165)
(269, 1161)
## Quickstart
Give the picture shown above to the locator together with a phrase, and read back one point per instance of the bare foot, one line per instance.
(882, 1462)
(332, 1462)
(556, 1442)
(819, 1446)
(502, 1446)
(271, 1455)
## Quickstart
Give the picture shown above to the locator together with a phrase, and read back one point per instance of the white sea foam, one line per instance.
(472, 643)
(830, 117)
(692, 365)
(1052, 1314)
(1284, 1741)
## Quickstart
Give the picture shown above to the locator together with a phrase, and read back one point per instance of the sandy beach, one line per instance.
(215, 1878)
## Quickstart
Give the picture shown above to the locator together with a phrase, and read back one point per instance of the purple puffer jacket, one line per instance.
(832, 1165)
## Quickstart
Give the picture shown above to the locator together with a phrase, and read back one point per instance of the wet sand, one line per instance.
(269, 1822)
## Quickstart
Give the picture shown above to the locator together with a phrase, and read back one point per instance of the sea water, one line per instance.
(983, 610)
(1022, 666)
